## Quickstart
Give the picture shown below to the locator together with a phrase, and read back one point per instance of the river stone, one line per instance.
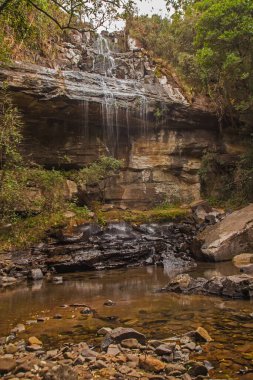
(149, 363)
(6, 365)
(33, 348)
(109, 303)
(104, 331)
(202, 335)
(11, 348)
(122, 333)
(165, 349)
(64, 372)
(197, 369)
(33, 340)
(226, 239)
(248, 269)
(36, 274)
(7, 280)
(57, 279)
(113, 350)
(238, 286)
(130, 343)
(19, 328)
(88, 353)
(243, 259)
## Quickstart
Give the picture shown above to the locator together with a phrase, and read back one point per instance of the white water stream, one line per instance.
(110, 107)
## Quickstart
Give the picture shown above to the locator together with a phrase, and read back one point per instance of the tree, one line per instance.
(10, 133)
(81, 15)
(224, 42)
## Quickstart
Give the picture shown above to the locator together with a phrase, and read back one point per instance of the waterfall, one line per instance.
(109, 105)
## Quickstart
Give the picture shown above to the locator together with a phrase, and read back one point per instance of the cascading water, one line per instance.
(110, 107)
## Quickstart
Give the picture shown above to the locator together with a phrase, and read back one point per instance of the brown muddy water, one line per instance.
(158, 315)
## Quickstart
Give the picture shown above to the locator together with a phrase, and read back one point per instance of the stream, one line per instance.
(138, 305)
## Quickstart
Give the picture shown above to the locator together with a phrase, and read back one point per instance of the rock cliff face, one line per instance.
(97, 101)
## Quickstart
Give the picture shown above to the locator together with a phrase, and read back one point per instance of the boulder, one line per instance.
(236, 286)
(119, 334)
(36, 274)
(226, 239)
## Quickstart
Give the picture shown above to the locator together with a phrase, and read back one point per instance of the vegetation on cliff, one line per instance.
(30, 28)
(210, 43)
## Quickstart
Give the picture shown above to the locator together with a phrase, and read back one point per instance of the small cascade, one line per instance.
(85, 114)
(113, 109)
(109, 107)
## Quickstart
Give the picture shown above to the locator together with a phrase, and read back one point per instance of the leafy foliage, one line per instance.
(31, 27)
(10, 131)
(225, 181)
(210, 43)
(97, 171)
(73, 14)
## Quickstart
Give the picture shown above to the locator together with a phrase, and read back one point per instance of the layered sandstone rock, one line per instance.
(97, 101)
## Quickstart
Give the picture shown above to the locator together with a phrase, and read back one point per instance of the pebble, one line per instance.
(33, 340)
(127, 358)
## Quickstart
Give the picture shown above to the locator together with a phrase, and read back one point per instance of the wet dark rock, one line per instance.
(109, 303)
(86, 311)
(248, 269)
(57, 279)
(115, 245)
(57, 316)
(197, 369)
(236, 286)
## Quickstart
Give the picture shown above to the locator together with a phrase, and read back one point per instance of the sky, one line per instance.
(151, 7)
(144, 7)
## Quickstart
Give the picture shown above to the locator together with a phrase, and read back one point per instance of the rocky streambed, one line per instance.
(124, 353)
(66, 318)
(52, 325)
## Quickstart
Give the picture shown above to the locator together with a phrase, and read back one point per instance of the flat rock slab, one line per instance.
(226, 239)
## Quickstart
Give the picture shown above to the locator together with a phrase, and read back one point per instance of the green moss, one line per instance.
(146, 216)
(25, 232)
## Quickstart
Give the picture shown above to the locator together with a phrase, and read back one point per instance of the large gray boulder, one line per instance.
(226, 239)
